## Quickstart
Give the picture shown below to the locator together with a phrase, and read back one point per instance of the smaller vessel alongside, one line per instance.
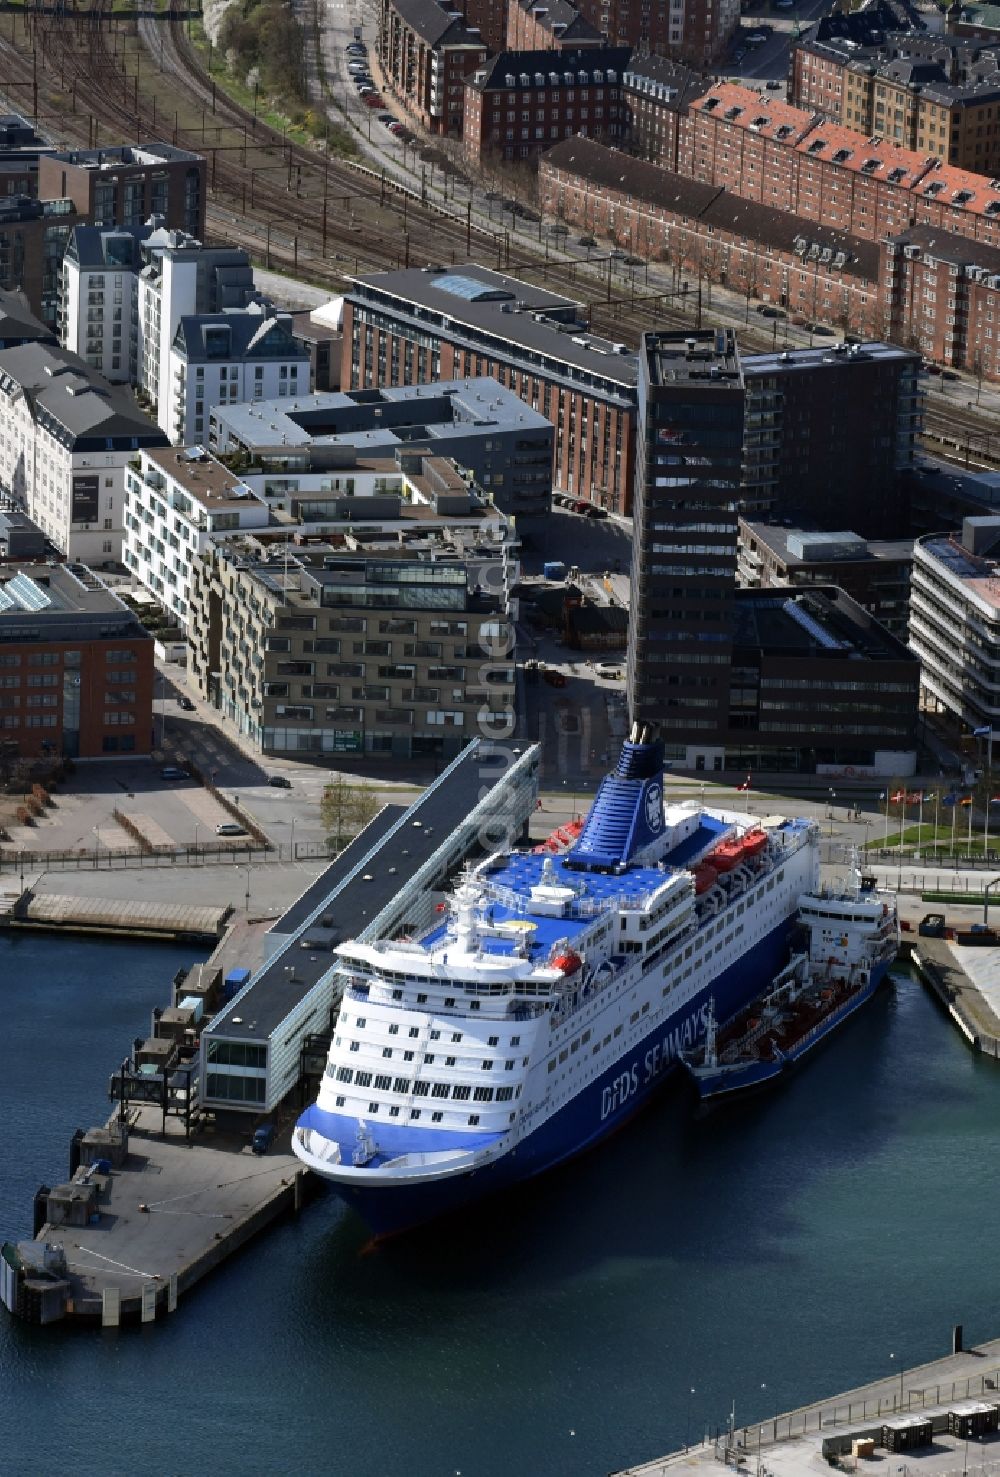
(848, 937)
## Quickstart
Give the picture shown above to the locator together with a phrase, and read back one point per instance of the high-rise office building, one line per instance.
(688, 461)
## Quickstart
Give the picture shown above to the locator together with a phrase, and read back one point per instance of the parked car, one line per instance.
(586, 241)
(230, 828)
(755, 38)
(397, 129)
(767, 311)
(823, 329)
(774, 83)
(280, 782)
(609, 672)
(593, 511)
(172, 772)
(372, 100)
(263, 1138)
(185, 702)
(949, 374)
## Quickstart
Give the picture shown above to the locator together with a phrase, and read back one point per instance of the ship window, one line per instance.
(394, 1111)
(414, 1112)
(428, 1056)
(575, 1045)
(504, 1094)
(387, 1051)
(345, 1074)
(488, 1065)
(435, 1035)
(439, 1089)
(484, 1094)
(449, 1061)
(606, 1041)
(618, 1030)
(414, 1031)
(461, 1093)
(770, 884)
(518, 1093)
(397, 994)
(473, 1119)
(457, 1036)
(781, 874)
(355, 1045)
(515, 1041)
(644, 1008)
(421, 1000)
(363, 1079)
(552, 1065)
(437, 1117)
(421, 1089)
(595, 1049)
(473, 1004)
(407, 1056)
(373, 1107)
(509, 1066)
(493, 1041)
(584, 1038)
(739, 909)
(360, 1022)
(524, 1061)
(402, 1084)
(633, 1018)
(450, 1002)
(563, 1055)
(393, 1030)
(383, 1083)
(341, 1101)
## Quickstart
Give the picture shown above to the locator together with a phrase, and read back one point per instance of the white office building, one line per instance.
(955, 620)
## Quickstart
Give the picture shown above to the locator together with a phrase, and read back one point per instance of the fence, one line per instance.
(204, 854)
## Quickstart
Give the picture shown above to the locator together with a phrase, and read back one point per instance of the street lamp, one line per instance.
(833, 796)
(248, 889)
(687, 1424)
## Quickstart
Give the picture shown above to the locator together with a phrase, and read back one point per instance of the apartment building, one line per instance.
(65, 438)
(33, 237)
(426, 50)
(692, 31)
(178, 501)
(99, 298)
(125, 185)
(710, 233)
(76, 667)
(416, 326)
(399, 648)
(937, 94)
(522, 102)
(218, 359)
(955, 620)
(545, 25)
(656, 93)
(875, 573)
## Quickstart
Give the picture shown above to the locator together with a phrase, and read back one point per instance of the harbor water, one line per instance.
(759, 1260)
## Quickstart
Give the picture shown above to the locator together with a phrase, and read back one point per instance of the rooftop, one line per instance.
(978, 572)
(437, 24)
(798, 546)
(78, 406)
(771, 117)
(206, 479)
(543, 70)
(946, 246)
(46, 592)
(821, 623)
(707, 357)
(156, 152)
(840, 355)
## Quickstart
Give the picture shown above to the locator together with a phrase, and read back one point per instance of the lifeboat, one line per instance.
(754, 843)
(704, 878)
(726, 855)
(568, 962)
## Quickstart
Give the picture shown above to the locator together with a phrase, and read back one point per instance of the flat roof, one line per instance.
(407, 840)
(820, 623)
(787, 361)
(44, 591)
(775, 537)
(706, 357)
(200, 474)
(307, 902)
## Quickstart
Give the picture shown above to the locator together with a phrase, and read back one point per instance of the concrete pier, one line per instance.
(98, 915)
(966, 980)
(133, 1239)
(954, 1395)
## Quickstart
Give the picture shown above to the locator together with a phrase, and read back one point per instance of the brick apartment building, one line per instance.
(694, 31)
(520, 103)
(125, 185)
(547, 25)
(941, 295)
(76, 667)
(937, 94)
(426, 51)
(767, 150)
(657, 94)
(417, 327)
(709, 232)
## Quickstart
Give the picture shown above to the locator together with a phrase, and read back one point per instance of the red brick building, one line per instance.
(522, 102)
(548, 25)
(76, 668)
(426, 51)
(657, 94)
(125, 185)
(710, 233)
(941, 295)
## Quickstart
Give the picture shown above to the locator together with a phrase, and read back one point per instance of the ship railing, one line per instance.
(582, 907)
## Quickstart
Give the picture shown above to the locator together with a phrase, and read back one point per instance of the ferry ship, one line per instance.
(850, 936)
(551, 997)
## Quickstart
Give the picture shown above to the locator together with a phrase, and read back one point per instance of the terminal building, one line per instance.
(955, 620)
(386, 882)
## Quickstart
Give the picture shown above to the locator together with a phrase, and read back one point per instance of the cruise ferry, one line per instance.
(551, 997)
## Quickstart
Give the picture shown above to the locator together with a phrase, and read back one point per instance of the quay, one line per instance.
(170, 1185)
(966, 980)
(94, 915)
(929, 1415)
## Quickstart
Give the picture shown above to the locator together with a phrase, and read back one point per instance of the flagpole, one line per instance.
(887, 818)
(986, 827)
(971, 809)
(937, 811)
(920, 818)
(954, 810)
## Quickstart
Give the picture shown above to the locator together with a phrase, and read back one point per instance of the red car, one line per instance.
(372, 100)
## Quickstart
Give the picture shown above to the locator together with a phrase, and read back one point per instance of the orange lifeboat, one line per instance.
(704, 878)
(754, 843)
(726, 855)
(568, 962)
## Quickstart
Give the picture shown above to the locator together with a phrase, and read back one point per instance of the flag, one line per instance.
(915, 797)
(899, 797)
(966, 800)
(440, 907)
(982, 732)
(745, 785)
(995, 799)
(884, 795)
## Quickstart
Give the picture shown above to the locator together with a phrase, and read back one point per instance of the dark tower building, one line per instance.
(687, 484)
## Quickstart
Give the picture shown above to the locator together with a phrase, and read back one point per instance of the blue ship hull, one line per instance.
(593, 1114)
(729, 1083)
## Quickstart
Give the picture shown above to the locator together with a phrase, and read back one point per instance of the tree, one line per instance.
(345, 809)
